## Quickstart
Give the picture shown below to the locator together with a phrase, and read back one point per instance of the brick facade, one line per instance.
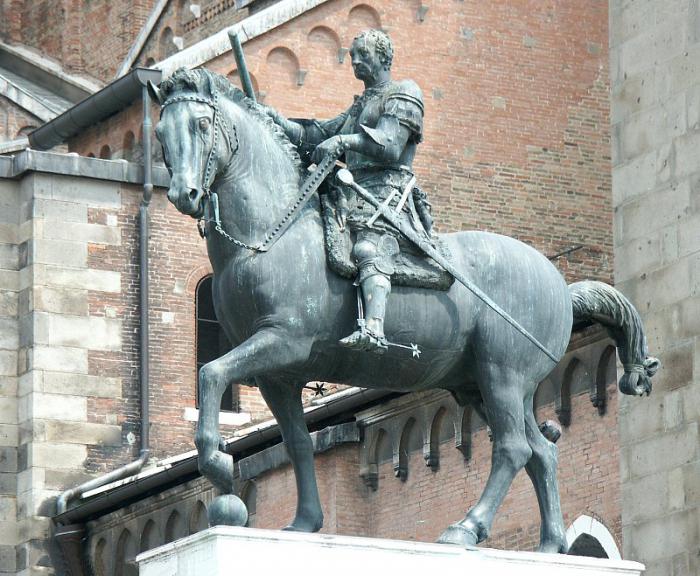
(14, 122)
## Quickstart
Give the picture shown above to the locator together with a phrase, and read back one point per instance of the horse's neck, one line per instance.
(260, 182)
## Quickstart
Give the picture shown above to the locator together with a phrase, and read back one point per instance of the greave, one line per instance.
(375, 290)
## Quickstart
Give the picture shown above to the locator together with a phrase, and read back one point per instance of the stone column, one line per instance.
(9, 433)
(655, 68)
(58, 329)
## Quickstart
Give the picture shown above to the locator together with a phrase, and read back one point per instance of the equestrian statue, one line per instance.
(304, 263)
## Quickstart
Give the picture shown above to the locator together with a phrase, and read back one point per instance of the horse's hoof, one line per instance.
(218, 468)
(553, 547)
(300, 525)
(459, 536)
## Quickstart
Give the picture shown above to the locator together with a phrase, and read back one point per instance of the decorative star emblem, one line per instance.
(415, 350)
(319, 388)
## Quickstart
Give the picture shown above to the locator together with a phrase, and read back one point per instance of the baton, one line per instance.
(346, 178)
(241, 64)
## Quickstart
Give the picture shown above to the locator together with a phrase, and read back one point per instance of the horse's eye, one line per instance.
(204, 123)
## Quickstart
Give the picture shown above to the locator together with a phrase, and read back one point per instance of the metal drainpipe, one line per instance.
(135, 466)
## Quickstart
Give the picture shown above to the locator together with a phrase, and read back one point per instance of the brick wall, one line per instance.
(13, 119)
(423, 505)
(85, 37)
(516, 126)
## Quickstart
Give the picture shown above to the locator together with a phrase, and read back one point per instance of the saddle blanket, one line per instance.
(413, 268)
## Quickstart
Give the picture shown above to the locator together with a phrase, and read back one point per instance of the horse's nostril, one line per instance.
(193, 194)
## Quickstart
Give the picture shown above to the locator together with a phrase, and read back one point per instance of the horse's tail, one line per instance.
(601, 303)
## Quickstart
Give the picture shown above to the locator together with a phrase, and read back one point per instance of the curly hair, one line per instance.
(382, 45)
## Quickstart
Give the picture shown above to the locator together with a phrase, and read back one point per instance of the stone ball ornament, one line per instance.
(227, 510)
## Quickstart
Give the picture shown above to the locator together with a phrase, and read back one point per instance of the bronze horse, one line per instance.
(284, 310)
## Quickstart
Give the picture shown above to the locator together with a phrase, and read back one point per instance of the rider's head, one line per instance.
(371, 53)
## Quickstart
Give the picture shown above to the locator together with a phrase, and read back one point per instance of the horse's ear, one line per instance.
(154, 92)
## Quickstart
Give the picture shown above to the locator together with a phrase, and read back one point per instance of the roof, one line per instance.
(183, 467)
(38, 85)
(95, 108)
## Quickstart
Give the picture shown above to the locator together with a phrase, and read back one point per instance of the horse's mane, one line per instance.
(206, 82)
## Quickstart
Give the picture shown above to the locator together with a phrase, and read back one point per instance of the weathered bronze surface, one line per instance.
(286, 311)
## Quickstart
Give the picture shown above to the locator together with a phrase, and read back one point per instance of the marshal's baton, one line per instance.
(346, 178)
(241, 65)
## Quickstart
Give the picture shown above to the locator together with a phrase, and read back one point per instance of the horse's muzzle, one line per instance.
(188, 200)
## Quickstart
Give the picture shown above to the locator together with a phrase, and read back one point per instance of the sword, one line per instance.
(394, 219)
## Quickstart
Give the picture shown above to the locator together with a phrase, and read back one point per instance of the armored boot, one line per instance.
(374, 255)
(370, 332)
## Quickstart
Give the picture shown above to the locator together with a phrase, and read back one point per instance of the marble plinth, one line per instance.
(226, 550)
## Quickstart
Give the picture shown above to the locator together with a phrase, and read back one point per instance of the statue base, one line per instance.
(226, 550)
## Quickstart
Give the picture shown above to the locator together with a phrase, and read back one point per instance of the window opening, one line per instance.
(211, 341)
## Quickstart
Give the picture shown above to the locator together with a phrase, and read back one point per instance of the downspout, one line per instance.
(135, 466)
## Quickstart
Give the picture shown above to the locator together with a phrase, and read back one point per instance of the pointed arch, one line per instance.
(198, 518)
(175, 527)
(100, 562)
(563, 407)
(588, 537)
(463, 431)
(125, 554)
(402, 449)
(149, 536)
(431, 444)
(606, 372)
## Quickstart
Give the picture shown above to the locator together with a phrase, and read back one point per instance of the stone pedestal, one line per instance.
(227, 550)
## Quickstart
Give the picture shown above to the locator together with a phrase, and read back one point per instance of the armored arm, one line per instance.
(401, 121)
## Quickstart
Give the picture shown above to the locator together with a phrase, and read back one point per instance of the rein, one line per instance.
(309, 186)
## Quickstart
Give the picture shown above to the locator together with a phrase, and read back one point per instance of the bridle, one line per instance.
(211, 214)
(219, 124)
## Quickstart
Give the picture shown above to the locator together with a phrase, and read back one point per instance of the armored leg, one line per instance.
(374, 255)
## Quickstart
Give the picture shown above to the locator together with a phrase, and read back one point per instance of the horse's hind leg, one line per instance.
(284, 400)
(502, 391)
(542, 469)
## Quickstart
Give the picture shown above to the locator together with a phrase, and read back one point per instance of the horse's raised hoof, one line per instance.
(459, 536)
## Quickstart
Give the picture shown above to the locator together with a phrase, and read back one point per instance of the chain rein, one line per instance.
(220, 123)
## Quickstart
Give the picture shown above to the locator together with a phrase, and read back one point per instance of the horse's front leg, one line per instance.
(265, 351)
(284, 399)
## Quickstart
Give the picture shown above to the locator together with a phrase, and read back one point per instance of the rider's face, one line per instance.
(365, 61)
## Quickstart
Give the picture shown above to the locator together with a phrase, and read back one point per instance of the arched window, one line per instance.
(211, 341)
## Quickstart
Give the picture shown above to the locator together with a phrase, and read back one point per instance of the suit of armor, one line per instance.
(380, 133)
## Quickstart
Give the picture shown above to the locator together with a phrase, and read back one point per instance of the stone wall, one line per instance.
(655, 50)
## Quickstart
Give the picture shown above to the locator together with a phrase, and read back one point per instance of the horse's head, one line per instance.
(196, 139)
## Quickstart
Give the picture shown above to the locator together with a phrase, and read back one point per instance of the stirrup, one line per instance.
(365, 339)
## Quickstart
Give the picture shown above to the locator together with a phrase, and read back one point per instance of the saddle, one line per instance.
(413, 268)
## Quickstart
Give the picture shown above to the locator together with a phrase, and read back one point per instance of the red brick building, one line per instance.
(517, 141)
